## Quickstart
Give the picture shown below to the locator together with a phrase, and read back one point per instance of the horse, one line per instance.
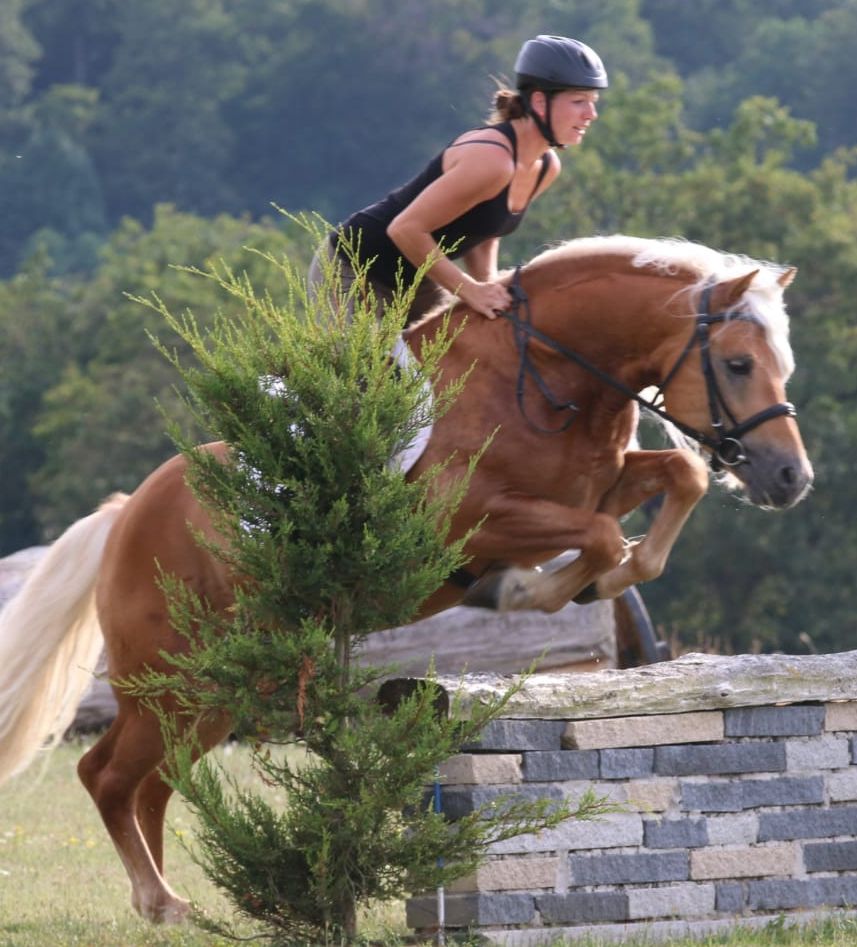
(557, 379)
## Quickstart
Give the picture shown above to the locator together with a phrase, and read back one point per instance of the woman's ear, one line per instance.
(538, 103)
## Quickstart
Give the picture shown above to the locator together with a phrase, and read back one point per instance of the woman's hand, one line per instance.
(486, 298)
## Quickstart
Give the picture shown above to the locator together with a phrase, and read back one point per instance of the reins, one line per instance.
(726, 447)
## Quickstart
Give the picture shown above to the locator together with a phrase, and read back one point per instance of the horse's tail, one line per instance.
(50, 641)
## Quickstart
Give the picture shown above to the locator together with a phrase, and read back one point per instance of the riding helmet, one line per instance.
(552, 63)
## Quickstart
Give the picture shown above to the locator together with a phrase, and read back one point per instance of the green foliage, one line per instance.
(170, 73)
(98, 424)
(228, 107)
(51, 180)
(33, 327)
(18, 52)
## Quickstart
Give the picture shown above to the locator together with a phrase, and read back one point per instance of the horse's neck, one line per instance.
(623, 324)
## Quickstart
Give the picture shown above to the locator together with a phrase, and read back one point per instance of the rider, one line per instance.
(478, 188)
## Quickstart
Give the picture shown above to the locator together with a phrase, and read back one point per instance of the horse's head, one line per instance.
(729, 385)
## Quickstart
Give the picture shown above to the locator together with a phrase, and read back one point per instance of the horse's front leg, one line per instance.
(682, 478)
(531, 529)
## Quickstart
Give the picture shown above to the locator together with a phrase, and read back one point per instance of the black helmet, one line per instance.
(557, 62)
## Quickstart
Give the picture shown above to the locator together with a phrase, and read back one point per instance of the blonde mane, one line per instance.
(674, 257)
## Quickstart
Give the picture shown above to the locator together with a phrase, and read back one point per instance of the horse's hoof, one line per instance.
(485, 593)
(587, 595)
(172, 911)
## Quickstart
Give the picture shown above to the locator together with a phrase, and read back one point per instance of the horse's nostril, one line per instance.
(788, 475)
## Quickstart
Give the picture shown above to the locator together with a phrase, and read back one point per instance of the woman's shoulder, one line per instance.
(485, 153)
(500, 135)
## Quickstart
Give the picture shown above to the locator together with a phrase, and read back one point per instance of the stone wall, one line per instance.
(734, 807)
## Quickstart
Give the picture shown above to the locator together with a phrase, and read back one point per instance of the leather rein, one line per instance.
(725, 443)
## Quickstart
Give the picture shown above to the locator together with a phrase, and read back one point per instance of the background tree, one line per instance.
(53, 181)
(169, 74)
(18, 53)
(727, 123)
(797, 51)
(33, 329)
(99, 426)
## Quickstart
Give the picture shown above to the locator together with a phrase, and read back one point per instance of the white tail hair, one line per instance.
(50, 641)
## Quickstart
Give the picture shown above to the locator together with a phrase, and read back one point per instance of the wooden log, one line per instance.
(458, 640)
(472, 639)
(692, 682)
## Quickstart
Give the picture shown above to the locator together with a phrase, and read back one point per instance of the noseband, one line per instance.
(725, 444)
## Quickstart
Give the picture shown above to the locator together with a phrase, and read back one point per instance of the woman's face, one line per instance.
(572, 112)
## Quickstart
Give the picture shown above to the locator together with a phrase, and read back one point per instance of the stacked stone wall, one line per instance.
(741, 812)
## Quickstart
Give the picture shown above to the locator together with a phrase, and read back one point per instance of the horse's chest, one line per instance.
(571, 480)
(586, 484)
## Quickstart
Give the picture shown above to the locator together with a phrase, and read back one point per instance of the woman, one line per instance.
(478, 188)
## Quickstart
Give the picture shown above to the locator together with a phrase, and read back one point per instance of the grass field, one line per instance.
(62, 884)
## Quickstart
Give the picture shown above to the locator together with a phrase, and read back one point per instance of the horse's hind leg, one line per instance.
(113, 772)
(154, 794)
(535, 529)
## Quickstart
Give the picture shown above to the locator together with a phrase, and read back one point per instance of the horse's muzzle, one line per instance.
(775, 479)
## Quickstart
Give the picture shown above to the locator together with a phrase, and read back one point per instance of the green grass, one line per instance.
(61, 882)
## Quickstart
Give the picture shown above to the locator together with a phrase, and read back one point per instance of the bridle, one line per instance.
(725, 443)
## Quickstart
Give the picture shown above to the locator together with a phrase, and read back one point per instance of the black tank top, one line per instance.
(491, 218)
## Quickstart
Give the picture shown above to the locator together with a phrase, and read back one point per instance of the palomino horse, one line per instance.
(596, 321)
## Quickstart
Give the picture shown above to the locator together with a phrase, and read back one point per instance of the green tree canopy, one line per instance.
(94, 415)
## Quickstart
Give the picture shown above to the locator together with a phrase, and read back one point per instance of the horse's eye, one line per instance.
(740, 366)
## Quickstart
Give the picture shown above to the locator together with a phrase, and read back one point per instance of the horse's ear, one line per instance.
(735, 289)
(787, 276)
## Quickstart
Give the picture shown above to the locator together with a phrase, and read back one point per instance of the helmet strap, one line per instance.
(543, 124)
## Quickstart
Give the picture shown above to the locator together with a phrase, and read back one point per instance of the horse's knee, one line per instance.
(605, 547)
(688, 476)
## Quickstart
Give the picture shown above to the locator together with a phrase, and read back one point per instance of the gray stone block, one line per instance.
(583, 907)
(560, 765)
(464, 910)
(805, 720)
(739, 829)
(715, 796)
(787, 893)
(513, 736)
(628, 869)
(731, 897)
(783, 791)
(461, 801)
(675, 833)
(720, 759)
(827, 752)
(830, 856)
(634, 763)
(736, 795)
(679, 900)
(854, 749)
(619, 830)
(842, 786)
(808, 823)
